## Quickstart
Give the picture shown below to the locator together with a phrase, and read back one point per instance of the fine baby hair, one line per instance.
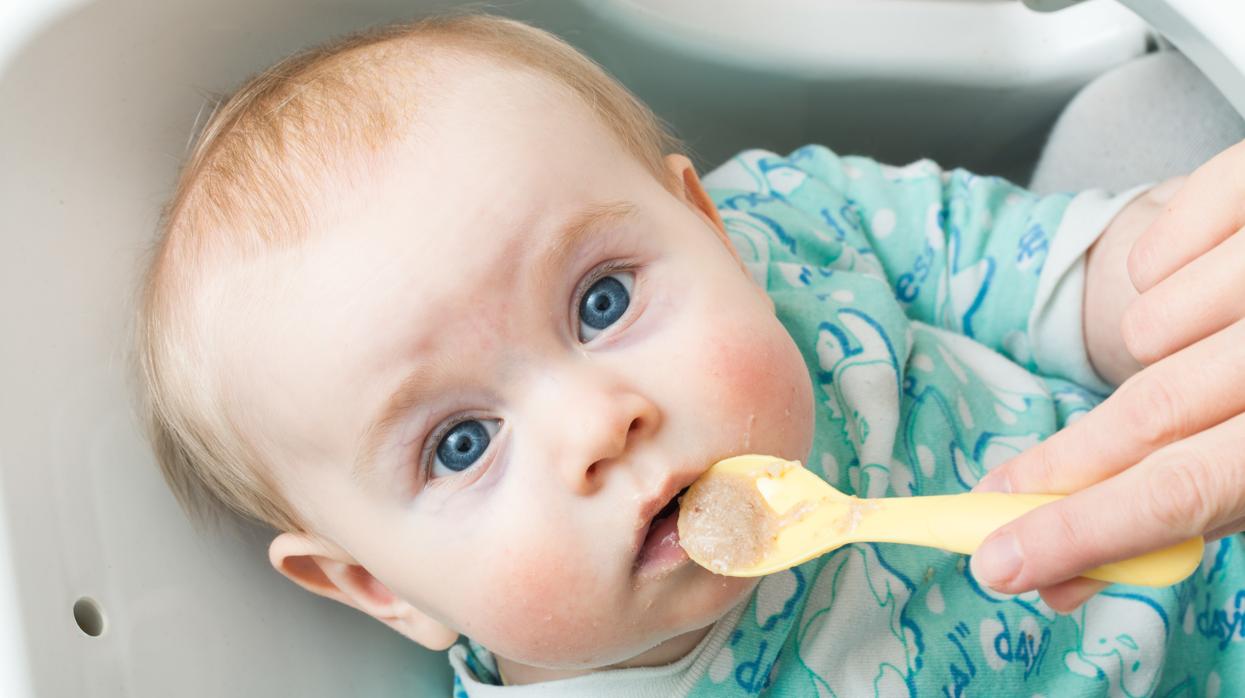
(514, 242)
(446, 307)
(111, 589)
(247, 186)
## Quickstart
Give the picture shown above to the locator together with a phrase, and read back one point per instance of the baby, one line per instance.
(444, 306)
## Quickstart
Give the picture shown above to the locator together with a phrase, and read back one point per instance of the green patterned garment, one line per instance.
(927, 306)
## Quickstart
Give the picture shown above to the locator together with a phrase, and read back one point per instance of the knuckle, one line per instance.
(1073, 537)
(1042, 471)
(1141, 265)
(1162, 193)
(1178, 496)
(1236, 331)
(1151, 410)
(1236, 171)
(1138, 329)
(1047, 468)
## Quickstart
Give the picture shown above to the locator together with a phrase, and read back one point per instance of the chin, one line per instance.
(719, 596)
(674, 643)
(644, 640)
(709, 599)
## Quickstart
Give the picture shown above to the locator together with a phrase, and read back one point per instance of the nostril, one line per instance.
(592, 470)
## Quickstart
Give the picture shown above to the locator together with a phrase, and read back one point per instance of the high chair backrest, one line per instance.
(105, 588)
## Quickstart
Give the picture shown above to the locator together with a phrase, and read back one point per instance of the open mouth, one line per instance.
(661, 541)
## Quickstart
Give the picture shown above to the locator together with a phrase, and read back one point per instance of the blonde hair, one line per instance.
(243, 190)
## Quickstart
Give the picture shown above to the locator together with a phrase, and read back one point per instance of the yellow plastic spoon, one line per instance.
(753, 515)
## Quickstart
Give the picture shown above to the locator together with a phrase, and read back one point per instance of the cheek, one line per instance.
(763, 390)
(544, 606)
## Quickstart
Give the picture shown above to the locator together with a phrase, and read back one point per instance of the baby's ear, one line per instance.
(325, 569)
(693, 194)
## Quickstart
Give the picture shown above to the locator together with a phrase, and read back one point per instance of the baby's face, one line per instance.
(508, 349)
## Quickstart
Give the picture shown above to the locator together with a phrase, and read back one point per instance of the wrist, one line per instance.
(1109, 290)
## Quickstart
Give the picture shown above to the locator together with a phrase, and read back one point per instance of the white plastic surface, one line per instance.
(98, 101)
(14, 661)
(972, 83)
(986, 43)
(17, 21)
(1210, 32)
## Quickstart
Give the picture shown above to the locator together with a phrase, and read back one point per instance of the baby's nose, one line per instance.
(598, 430)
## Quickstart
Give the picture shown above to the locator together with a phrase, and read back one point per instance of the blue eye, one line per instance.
(463, 445)
(603, 303)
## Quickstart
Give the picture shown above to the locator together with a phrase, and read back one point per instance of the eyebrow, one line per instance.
(561, 245)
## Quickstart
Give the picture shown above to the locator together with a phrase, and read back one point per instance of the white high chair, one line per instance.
(105, 588)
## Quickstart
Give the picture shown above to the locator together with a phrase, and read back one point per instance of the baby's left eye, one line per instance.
(604, 302)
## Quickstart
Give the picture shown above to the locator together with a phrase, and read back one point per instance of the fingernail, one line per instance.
(993, 482)
(997, 561)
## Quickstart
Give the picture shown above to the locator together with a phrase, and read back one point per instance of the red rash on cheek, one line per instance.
(762, 386)
(751, 367)
(744, 367)
(540, 606)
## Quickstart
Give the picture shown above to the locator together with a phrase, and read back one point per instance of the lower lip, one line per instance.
(661, 551)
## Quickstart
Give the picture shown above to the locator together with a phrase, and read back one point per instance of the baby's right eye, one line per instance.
(462, 445)
(604, 303)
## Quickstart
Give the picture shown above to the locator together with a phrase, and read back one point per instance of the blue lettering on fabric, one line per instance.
(961, 674)
(849, 214)
(839, 233)
(783, 238)
(754, 675)
(746, 202)
(1031, 249)
(1221, 624)
(1023, 647)
(908, 285)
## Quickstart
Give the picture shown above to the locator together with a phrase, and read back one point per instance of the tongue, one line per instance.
(662, 542)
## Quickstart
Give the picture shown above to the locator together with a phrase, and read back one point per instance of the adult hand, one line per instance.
(1163, 458)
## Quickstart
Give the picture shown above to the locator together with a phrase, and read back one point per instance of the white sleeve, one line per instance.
(1056, 327)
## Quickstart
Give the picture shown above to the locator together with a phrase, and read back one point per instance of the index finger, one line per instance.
(1182, 394)
(1207, 209)
(1179, 492)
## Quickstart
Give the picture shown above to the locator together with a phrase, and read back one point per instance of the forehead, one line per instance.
(494, 151)
(496, 162)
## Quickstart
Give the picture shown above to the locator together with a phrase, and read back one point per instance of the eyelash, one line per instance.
(434, 438)
(602, 271)
(430, 442)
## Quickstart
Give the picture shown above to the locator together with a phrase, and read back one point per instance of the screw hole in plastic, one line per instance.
(89, 616)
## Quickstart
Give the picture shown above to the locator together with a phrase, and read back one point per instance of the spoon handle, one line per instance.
(960, 522)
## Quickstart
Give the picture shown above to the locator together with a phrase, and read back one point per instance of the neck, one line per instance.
(518, 674)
